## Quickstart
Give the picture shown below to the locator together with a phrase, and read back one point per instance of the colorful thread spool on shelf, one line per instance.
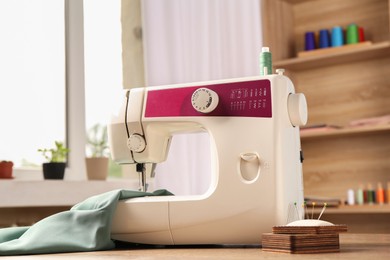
(310, 42)
(352, 34)
(351, 197)
(361, 34)
(380, 194)
(324, 40)
(337, 36)
(388, 192)
(360, 195)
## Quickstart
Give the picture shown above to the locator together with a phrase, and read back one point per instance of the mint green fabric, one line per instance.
(85, 227)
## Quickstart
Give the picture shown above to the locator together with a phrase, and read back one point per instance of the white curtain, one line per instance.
(197, 40)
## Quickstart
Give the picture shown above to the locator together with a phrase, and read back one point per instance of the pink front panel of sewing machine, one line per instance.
(240, 99)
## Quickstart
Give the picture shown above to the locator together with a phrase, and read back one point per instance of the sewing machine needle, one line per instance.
(153, 170)
(142, 176)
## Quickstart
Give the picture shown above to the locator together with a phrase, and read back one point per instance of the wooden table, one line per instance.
(353, 246)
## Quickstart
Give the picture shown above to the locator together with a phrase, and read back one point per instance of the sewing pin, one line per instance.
(323, 209)
(290, 213)
(304, 206)
(296, 209)
(312, 210)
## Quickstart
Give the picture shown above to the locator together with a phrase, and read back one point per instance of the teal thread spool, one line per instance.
(265, 61)
(337, 36)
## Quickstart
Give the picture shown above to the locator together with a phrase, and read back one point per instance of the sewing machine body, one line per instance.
(256, 161)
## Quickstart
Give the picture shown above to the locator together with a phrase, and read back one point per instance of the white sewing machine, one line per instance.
(253, 125)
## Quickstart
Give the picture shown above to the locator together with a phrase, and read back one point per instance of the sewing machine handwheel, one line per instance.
(297, 109)
(204, 100)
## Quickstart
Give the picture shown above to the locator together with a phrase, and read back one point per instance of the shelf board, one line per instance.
(363, 130)
(375, 50)
(355, 209)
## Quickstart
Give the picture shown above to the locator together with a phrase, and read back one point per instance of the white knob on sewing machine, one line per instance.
(297, 109)
(136, 143)
(204, 100)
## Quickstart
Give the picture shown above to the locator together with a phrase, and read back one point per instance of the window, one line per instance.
(33, 61)
(103, 63)
(32, 79)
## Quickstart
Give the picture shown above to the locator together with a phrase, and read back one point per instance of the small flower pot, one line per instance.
(97, 168)
(6, 170)
(53, 170)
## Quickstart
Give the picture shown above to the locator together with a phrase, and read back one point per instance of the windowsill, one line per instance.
(48, 193)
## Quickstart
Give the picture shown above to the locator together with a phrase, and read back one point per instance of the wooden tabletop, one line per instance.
(352, 246)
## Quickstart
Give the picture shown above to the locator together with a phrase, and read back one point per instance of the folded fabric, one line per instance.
(85, 227)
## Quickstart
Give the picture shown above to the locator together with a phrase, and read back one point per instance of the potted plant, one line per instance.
(97, 159)
(6, 169)
(56, 157)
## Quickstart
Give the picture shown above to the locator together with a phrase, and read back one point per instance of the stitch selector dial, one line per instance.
(204, 100)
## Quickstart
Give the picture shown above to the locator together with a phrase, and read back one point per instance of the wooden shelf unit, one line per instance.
(340, 87)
